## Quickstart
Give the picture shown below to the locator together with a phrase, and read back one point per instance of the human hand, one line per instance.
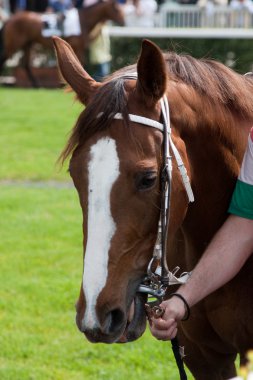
(165, 327)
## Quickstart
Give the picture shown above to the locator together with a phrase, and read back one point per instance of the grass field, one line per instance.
(41, 256)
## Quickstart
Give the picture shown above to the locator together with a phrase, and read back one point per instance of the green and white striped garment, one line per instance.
(242, 198)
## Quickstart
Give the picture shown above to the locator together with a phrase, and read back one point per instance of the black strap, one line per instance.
(178, 358)
(174, 342)
(185, 304)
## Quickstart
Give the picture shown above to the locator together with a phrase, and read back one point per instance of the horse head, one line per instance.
(116, 169)
(114, 12)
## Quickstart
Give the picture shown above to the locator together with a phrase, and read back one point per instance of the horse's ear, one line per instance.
(152, 72)
(73, 72)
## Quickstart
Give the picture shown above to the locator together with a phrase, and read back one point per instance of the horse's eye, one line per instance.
(145, 180)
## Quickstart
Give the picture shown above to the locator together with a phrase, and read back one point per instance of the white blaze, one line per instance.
(103, 170)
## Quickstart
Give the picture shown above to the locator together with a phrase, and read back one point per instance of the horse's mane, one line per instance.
(216, 82)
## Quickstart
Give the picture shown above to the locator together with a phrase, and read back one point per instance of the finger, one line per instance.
(174, 334)
(162, 334)
(168, 312)
(161, 324)
(165, 335)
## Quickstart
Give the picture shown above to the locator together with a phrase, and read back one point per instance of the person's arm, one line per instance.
(222, 260)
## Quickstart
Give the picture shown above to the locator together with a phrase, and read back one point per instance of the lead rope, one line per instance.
(178, 357)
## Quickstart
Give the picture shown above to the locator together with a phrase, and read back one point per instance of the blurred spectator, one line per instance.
(214, 16)
(140, 12)
(130, 6)
(99, 48)
(242, 5)
(59, 6)
(244, 9)
(211, 3)
(100, 53)
(3, 13)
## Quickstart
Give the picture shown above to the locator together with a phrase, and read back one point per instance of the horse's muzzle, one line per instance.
(117, 326)
(137, 322)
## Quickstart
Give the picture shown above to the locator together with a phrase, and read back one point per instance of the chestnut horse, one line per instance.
(116, 166)
(24, 29)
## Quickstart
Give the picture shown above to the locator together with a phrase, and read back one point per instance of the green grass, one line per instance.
(41, 257)
(34, 128)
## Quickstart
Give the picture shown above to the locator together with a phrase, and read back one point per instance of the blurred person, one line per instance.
(244, 19)
(100, 53)
(242, 4)
(59, 7)
(140, 12)
(4, 15)
(100, 47)
(211, 3)
(130, 6)
(214, 16)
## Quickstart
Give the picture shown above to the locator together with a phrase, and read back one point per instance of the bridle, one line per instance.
(159, 280)
(156, 282)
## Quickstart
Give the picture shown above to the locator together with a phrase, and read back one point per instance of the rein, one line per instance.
(156, 282)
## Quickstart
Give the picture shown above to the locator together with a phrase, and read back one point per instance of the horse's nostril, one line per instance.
(113, 321)
(117, 318)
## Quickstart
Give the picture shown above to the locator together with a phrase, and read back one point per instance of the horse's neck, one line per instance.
(215, 163)
(215, 140)
(90, 17)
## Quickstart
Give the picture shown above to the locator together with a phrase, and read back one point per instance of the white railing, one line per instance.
(172, 15)
(205, 33)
